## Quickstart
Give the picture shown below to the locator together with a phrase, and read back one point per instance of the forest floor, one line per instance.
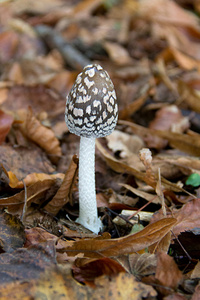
(147, 170)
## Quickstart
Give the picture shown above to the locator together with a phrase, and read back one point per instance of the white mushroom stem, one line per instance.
(87, 196)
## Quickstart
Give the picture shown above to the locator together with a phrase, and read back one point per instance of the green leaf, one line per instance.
(193, 179)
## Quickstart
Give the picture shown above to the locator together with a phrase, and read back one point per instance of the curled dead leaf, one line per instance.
(62, 195)
(31, 179)
(42, 136)
(5, 125)
(96, 248)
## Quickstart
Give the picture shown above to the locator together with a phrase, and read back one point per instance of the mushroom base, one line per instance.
(94, 225)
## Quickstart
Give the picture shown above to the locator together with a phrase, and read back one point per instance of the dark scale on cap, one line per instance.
(91, 108)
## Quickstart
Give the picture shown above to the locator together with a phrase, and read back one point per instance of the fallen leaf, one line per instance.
(22, 161)
(187, 216)
(168, 118)
(129, 244)
(42, 136)
(184, 142)
(196, 272)
(189, 96)
(142, 265)
(62, 195)
(5, 125)
(123, 286)
(26, 264)
(87, 272)
(8, 43)
(35, 193)
(121, 167)
(12, 235)
(36, 236)
(117, 53)
(124, 143)
(31, 179)
(167, 272)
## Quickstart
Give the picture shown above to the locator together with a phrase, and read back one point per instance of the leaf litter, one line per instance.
(151, 51)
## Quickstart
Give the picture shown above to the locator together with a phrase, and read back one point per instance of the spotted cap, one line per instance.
(91, 108)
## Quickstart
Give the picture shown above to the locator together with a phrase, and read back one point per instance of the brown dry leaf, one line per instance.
(124, 143)
(87, 271)
(147, 196)
(170, 13)
(167, 272)
(117, 165)
(62, 195)
(162, 245)
(24, 6)
(26, 264)
(32, 178)
(187, 165)
(189, 96)
(121, 167)
(125, 245)
(12, 235)
(23, 161)
(186, 62)
(42, 136)
(184, 142)
(29, 72)
(35, 193)
(196, 272)
(8, 44)
(176, 25)
(36, 236)
(123, 286)
(168, 118)
(142, 265)
(56, 282)
(5, 125)
(84, 9)
(39, 97)
(187, 216)
(195, 296)
(134, 106)
(118, 54)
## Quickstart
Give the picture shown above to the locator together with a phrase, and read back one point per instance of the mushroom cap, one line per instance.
(91, 107)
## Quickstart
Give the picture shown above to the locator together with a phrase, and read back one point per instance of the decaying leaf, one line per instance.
(121, 167)
(12, 235)
(167, 272)
(5, 125)
(32, 178)
(115, 247)
(21, 161)
(35, 193)
(88, 271)
(62, 195)
(26, 264)
(187, 216)
(167, 119)
(42, 136)
(142, 265)
(184, 142)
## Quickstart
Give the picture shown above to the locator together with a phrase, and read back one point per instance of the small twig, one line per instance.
(141, 208)
(72, 56)
(25, 201)
(187, 254)
(159, 192)
(120, 216)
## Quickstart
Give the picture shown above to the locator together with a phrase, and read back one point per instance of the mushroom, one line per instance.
(91, 112)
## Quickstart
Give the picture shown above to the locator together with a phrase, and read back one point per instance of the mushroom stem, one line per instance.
(87, 196)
